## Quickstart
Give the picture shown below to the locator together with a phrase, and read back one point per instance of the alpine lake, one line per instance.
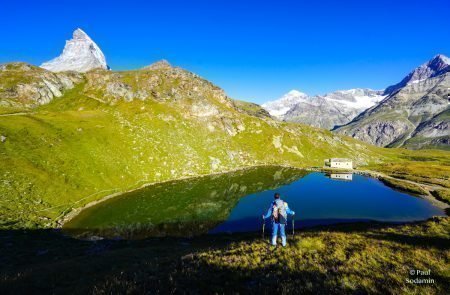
(234, 202)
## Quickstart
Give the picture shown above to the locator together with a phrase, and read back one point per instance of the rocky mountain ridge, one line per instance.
(417, 103)
(324, 111)
(415, 114)
(438, 65)
(411, 113)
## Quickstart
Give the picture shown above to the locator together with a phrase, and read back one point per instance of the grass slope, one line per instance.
(88, 143)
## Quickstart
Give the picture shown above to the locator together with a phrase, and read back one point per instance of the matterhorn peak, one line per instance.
(80, 54)
(80, 34)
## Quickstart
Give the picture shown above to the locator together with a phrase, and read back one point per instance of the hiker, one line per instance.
(278, 211)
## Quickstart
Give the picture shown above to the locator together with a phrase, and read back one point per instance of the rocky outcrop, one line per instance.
(382, 133)
(130, 85)
(162, 64)
(251, 109)
(193, 97)
(25, 85)
(80, 54)
(434, 132)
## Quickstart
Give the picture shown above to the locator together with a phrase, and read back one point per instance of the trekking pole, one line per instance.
(264, 225)
(293, 225)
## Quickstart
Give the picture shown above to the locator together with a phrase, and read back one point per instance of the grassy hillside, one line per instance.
(110, 132)
(115, 131)
(429, 167)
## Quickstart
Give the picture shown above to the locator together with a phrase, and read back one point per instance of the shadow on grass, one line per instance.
(42, 262)
(45, 261)
(417, 241)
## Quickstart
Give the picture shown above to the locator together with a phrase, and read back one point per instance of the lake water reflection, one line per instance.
(234, 202)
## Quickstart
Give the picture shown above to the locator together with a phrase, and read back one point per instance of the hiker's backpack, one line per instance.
(279, 214)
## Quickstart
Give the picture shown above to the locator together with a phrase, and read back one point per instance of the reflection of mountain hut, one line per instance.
(342, 176)
(339, 163)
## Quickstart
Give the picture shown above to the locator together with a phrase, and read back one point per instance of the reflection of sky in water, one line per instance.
(196, 206)
(316, 197)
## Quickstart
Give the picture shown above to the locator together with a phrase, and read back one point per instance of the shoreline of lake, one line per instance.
(240, 178)
(76, 211)
(373, 174)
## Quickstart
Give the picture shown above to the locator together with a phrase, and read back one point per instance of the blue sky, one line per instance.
(255, 50)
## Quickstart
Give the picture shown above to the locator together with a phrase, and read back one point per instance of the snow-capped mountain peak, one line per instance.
(296, 93)
(80, 34)
(438, 65)
(444, 58)
(357, 98)
(80, 54)
(326, 111)
(279, 107)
